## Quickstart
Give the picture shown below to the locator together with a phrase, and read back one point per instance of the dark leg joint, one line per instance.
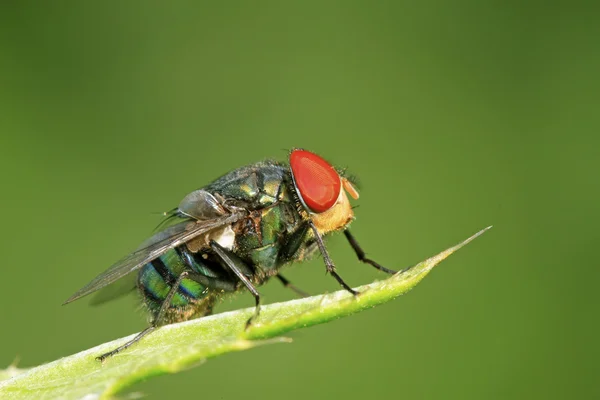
(362, 257)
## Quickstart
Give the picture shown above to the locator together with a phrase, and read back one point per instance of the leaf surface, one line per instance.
(180, 346)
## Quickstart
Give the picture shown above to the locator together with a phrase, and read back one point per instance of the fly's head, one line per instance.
(321, 191)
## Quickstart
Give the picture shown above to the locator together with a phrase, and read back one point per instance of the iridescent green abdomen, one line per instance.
(157, 277)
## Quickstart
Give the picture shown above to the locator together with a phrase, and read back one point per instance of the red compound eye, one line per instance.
(317, 182)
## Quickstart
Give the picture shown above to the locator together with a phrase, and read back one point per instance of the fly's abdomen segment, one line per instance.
(158, 276)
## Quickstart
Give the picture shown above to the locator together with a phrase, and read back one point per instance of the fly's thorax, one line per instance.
(268, 237)
(252, 187)
(267, 226)
(265, 192)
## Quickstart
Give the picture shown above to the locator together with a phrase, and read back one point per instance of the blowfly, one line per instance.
(234, 234)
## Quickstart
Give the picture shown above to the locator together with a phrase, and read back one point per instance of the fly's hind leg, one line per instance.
(126, 345)
(158, 321)
(237, 266)
(362, 257)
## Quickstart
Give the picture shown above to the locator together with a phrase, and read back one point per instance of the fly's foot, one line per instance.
(136, 339)
(104, 356)
(252, 318)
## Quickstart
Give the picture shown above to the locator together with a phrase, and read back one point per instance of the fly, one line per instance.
(234, 234)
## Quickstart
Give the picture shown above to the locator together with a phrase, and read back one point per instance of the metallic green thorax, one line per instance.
(273, 234)
(275, 231)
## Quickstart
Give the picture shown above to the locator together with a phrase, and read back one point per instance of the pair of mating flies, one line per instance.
(236, 233)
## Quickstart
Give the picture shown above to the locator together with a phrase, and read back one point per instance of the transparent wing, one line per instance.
(115, 290)
(167, 239)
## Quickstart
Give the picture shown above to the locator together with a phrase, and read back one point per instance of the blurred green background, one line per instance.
(454, 115)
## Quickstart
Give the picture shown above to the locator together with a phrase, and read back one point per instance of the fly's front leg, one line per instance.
(328, 263)
(236, 266)
(158, 321)
(362, 257)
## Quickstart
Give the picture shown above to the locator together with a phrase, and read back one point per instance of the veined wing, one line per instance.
(158, 244)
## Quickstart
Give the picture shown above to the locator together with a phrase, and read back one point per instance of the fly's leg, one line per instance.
(155, 323)
(236, 266)
(126, 345)
(328, 263)
(289, 285)
(362, 257)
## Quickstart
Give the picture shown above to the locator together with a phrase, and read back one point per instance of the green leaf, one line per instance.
(11, 371)
(179, 346)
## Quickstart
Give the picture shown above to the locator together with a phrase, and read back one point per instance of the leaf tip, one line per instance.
(435, 260)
